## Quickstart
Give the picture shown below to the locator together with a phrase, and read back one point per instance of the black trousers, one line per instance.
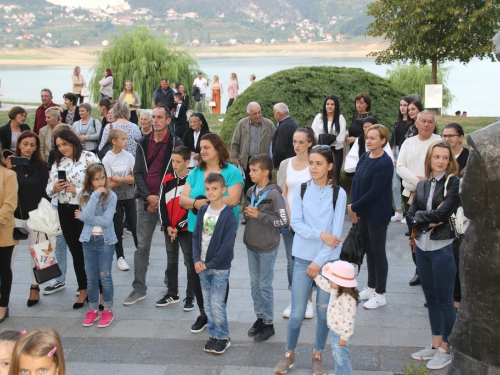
(72, 229)
(376, 258)
(339, 158)
(133, 116)
(229, 104)
(129, 208)
(5, 274)
(79, 98)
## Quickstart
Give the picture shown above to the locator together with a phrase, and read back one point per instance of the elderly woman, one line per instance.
(73, 160)
(78, 84)
(87, 128)
(32, 180)
(72, 113)
(106, 89)
(146, 121)
(53, 118)
(121, 114)
(11, 131)
(371, 208)
(214, 159)
(132, 98)
(8, 204)
(198, 127)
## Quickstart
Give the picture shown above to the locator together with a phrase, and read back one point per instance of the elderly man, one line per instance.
(40, 122)
(411, 163)
(282, 147)
(163, 95)
(146, 121)
(253, 136)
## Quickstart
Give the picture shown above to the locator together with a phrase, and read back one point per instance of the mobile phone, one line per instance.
(61, 175)
(19, 160)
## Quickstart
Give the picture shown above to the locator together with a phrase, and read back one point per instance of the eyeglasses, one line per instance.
(450, 136)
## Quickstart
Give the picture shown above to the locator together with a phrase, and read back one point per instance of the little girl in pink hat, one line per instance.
(338, 279)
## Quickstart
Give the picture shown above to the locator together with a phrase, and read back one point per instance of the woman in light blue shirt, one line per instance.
(318, 227)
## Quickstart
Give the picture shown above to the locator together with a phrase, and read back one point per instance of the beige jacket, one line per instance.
(78, 83)
(46, 140)
(8, 204)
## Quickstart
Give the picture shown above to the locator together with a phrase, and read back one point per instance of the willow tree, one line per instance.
(143, 59)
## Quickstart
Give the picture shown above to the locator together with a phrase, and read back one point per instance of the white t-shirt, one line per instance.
(201, 83)
(293, 178)
(209, 222)
(121, 165)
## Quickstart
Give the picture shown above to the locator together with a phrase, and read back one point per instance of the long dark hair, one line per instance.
(353, 292)
(327, 153)
(221, 148)
(336, 114)
(37, 155)
(420, 107)
(307, 130)
(409, 100)
(69, 137)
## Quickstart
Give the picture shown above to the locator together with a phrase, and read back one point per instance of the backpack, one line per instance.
(353, 247)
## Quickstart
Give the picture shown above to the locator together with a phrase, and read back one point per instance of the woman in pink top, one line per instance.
(232, 90)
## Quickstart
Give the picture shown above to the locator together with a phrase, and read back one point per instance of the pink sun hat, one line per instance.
(341, 273)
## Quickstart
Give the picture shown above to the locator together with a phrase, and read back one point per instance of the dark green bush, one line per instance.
(304, 89)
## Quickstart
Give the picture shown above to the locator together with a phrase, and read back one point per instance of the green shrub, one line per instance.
(304, 89)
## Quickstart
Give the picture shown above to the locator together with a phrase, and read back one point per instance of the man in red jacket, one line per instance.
(40, 121)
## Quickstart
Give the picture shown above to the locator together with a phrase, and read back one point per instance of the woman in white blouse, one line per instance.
(87, 128)
(330, 121)
(72, 161)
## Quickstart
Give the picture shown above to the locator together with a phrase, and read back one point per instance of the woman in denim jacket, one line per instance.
(98, 238)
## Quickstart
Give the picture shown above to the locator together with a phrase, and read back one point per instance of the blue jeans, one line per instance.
(214, 285)
(288, 241)
(98, 260)
(396, 185)
(437, 271)
(301, 287)
(261, 267)
(341, 356)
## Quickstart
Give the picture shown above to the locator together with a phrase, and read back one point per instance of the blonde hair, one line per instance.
(39, 343)
(125, 86)
(54, 112)
(382, 131)
(235, 77)
(452, 168)
(216, 78)
(115, 133)
(76, 68)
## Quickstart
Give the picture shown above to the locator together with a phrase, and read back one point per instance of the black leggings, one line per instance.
(128, 207)
(339, 158)
(376, 258)
(199, 294)
(5, 274)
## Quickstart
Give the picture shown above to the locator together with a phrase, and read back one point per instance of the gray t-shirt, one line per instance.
(121, 165)
(209, 222)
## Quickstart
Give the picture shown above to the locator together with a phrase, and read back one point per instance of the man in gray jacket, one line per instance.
(253, 136)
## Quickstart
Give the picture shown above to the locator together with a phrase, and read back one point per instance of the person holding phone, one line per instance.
(32, 176)
(66, 183)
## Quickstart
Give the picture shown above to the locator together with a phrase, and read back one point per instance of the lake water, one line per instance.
(474, 85)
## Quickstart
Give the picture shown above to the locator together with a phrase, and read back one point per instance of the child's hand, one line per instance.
(77, 213)
(199, 267)
(342, 342)
(116, 178)
(172, 233)
(251, 212)
(101, 190)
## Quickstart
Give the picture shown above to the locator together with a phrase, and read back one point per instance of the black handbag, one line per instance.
(326, 139)
(20, 233)
(107, 147)
(49, 273)
(353, 247)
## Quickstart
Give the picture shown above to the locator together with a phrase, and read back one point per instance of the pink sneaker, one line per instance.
(106, 319)
(90, 318)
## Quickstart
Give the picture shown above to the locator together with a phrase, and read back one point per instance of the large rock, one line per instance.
(476, 336)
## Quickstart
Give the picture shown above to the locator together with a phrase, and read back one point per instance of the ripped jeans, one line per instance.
(98, 260)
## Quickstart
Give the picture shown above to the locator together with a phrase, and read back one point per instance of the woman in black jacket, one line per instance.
(198, 127)
(436, 199)
(11, 131)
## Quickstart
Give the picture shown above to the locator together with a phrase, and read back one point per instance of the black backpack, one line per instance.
(353, 247)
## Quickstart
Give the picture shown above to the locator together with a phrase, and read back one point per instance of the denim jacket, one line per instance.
(94, 213)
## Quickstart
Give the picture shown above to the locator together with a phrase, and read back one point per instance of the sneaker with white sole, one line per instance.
(188, 304)
(441, 359)
(106, 319)
(366, 293)
(90, 318)
(133, 298)
(287, 311)
(122, 265)
(376, 301)
(167, 299)
(309, 310)
(55, 287)
(398, 216)
(403, 221)
(425, 353)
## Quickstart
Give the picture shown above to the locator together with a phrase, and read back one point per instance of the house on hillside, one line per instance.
(340, 38)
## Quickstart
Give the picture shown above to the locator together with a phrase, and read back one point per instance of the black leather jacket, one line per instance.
(442, 208)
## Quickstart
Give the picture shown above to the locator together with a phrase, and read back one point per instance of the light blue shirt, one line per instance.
(311, 217)
(95, 213)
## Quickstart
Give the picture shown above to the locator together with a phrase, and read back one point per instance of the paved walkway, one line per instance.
(145, 339)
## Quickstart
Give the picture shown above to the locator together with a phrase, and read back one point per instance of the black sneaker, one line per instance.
(221, 346)
(266, 332)
(210, 345)
(55, 287)
(188, 304)
(167, 299)
(256, 327)
(200, 324)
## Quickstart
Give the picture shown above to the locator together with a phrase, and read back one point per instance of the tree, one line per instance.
(143, 59)
(411, 79)
(436, 31)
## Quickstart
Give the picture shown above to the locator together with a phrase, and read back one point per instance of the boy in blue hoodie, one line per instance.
(213, 251)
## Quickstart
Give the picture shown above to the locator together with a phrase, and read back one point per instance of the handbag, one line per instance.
(212, 103)
(20, 233)
(46, 267)
(107, 147)
(85, 91)
(458, 222)
(353, 247)
(326, 139)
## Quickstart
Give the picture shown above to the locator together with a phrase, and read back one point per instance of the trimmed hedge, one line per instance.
(304, 89)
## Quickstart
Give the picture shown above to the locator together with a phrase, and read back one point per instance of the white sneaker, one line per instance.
(376, 301)
(287, 311)
(122, 265)
(441, 359)
(366, 293)
(425, 353)
(309, 310)
(397, 216)
(403, 221)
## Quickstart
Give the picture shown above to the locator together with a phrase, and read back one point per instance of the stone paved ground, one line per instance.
(145, 339)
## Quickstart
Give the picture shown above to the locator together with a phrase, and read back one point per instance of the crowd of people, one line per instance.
(171, 169)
